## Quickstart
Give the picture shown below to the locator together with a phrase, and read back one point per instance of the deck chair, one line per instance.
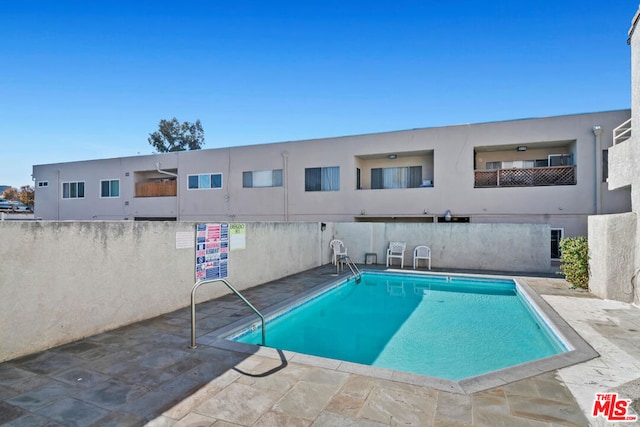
(396, 250)
(339, 250)
(421, 252)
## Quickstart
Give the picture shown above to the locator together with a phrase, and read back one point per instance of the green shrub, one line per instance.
(574, 260)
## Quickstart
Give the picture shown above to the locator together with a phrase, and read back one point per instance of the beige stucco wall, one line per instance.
(498, 247)
(62, 281)
(446, 154)
(615, 240)
(611, 252)
(65, 280)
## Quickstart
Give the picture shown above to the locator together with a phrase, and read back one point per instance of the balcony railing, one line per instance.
(526, 177)
(622, 132)
(156, 189)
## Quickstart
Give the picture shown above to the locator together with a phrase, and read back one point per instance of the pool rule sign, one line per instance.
(212, 251)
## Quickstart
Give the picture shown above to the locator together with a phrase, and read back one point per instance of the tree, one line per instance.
(174, 136)
(27, 195)
(10, 194)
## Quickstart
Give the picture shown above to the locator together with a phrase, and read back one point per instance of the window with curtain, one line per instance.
(517, 164)
(322, 179)
(397, 177)
(256, 179)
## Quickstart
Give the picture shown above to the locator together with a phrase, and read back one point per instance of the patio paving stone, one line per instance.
(72, 412)
(239, 403)
(146, 374)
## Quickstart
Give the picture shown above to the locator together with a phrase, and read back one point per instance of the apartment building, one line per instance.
(544, 170)
(614, 240)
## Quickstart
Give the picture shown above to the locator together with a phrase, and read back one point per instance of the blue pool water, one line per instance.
(450, 328)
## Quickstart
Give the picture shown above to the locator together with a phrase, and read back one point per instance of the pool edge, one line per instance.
(578, 349)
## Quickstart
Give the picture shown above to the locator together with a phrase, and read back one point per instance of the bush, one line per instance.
(574, 260)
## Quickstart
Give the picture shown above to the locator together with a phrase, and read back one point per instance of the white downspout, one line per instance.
(177, 188)
(58, 195)
(285, 184)
(597, 131)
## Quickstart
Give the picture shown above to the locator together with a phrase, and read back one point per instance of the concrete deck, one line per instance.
(145, 374)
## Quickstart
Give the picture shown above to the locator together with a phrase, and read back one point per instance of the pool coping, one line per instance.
(578, 349)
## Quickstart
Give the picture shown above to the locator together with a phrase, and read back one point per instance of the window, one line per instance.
(255, 179)
(205, 181)
(358, 179)
(43, 183)
(538, 163)
(322, 179)
(605, 165)
(560, 159)
(73, 190)
(110, 188)
(398, 177)
(556, 235)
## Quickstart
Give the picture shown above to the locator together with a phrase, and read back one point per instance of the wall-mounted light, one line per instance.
(362, 212)
(522, 148)
(392, 156)
(447, 215)
(425, 211)
(323, 226)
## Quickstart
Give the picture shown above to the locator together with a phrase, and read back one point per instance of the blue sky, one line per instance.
(91, 79)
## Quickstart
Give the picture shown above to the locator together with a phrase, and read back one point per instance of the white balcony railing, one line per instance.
(622, 132)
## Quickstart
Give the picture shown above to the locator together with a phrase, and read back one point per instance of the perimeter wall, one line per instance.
(62, 281)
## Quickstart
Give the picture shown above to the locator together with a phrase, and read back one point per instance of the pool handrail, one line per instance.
(235, 291)
(352, 266)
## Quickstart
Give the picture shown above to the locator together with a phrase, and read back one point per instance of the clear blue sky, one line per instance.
(91, 79)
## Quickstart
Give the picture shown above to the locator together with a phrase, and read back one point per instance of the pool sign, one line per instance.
(212, 251)
(237, 236)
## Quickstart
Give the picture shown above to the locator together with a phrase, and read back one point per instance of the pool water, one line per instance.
(446, 327)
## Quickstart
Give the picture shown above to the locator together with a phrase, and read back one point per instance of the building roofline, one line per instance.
(634, 24)
(348, 136)
(447, 126)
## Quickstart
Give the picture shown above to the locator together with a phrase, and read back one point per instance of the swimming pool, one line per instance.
(450, 327)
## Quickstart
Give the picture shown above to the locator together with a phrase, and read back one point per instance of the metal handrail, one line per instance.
(352, 266)
(622, 132)
(193, 308)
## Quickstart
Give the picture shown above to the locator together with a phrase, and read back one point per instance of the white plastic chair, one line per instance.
(421, 252)
(339, 250)
(396, 250)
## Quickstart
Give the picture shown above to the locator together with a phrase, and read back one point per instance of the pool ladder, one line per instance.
(355, 271)
(235, 291)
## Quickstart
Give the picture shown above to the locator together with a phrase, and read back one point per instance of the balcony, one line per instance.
(622, 132)
(156, 188)
(526, 177)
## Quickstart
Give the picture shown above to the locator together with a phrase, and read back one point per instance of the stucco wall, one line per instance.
(611, 256)
(614, 240)
(62, 281)
(445, 153)
(497, 247)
